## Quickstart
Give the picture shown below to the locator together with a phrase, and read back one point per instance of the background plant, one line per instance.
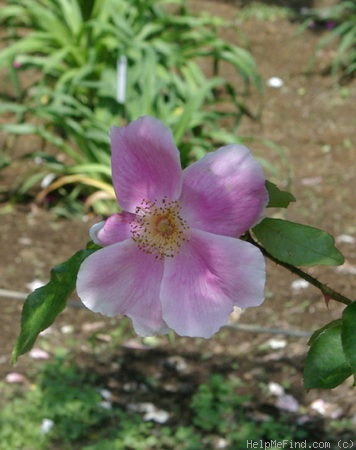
(69, 397)
(340, 20)
(69, 50)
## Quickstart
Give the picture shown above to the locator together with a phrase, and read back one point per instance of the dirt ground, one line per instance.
(313, 120)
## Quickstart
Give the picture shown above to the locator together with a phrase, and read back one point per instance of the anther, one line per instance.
(158, 228)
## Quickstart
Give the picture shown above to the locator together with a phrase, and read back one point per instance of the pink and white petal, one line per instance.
(208, 277)
(224, 192)
(114, 229)
(145, 163)
(121, 279)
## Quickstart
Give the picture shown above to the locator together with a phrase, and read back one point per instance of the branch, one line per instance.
(326, 290)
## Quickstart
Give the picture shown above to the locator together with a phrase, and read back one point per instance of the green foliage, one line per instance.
(262, 11)
(214, 404)
(277, 197)
(343, 18)
(44, 304)
(326, 365)
(219, 407)
(64, 395)
(296, 244)
(70, 398)
(74, 47)
(348, 336)
(20, 422)
(331, 357)
(134, 434)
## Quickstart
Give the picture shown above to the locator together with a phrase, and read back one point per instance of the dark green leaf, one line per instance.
(326, 366)
(348, 336)
(278, 198)
(296, 244)
(318, 332)
(44, 304)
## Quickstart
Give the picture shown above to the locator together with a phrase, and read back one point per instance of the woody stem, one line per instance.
(326, 290)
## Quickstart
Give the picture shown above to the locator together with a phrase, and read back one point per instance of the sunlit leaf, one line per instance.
(44, 304)
(297, 244)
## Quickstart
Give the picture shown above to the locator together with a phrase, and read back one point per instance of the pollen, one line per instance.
(158, 228)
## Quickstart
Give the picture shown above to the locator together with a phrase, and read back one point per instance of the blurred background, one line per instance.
(277, 76)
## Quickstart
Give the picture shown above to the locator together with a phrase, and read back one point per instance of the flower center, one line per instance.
(158, 228)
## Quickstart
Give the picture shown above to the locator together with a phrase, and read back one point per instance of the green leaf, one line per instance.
(348, 336)
(12, 108)
(44, 304)
(318, 332)
(10, 12)
(278, 198)
(18, 128)
(326, 366)
(297, 244)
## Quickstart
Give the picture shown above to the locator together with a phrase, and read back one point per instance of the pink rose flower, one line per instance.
(171, 259)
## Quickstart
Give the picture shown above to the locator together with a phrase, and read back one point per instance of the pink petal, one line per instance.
(115, 229)
(224, 192)
(121, 279)
(145, 163)
(208, 277)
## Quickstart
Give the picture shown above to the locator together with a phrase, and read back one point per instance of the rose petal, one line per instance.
(145, 163)
(121, 279)
(115, 229)
(224, 192)
(204, 281)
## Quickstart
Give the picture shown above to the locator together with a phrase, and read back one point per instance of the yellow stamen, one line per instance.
(158, 228)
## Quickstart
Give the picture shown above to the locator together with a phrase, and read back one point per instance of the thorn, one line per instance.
(327, 299)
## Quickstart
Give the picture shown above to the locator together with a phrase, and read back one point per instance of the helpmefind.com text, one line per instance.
(288, 444)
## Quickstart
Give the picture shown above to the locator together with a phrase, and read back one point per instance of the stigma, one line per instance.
(158, 228)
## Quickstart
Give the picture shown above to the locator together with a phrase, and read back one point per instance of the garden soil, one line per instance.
(311, 121)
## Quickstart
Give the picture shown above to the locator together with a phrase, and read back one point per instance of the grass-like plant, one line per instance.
(340, 21)
(71, 54)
